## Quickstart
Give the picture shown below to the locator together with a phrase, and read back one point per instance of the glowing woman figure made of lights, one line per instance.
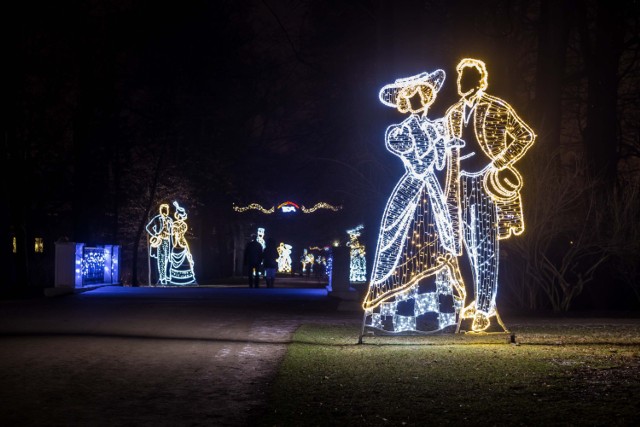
(181, 259)
(415, 281)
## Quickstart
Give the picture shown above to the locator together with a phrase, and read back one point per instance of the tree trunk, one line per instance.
(153, 186)
(553, 31)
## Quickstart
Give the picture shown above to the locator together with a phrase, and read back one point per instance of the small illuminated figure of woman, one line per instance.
(415, 285)
(358, 264)
(284, 258)
(181, 259)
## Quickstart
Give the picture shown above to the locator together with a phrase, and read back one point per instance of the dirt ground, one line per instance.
(118, 356)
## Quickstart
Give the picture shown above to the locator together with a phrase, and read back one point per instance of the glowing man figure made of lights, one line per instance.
(284, 258)
(358, 264)
(416, 285)
(489, 186)
(287, 207)
(160, 230)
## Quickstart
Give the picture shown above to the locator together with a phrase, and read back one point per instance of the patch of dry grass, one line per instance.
(576, 373)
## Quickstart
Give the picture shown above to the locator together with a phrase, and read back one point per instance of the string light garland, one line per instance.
(287, 207)
(255, 206)
(321, 205)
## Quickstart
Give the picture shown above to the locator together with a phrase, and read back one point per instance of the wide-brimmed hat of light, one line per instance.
(389, 93)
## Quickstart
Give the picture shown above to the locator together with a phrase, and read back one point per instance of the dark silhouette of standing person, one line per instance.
(270, 262)
(253, 260)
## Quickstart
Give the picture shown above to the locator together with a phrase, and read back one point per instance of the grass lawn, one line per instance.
(579, 373)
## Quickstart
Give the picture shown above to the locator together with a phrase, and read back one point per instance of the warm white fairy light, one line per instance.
(39, 245)
(489, 193)
(358, 261)
(321, 205)
(255, 206)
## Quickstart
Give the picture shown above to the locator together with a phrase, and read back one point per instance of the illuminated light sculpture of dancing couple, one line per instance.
(169, 246)
(459, 192)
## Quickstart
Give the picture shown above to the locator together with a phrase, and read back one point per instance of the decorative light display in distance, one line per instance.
(286, 207)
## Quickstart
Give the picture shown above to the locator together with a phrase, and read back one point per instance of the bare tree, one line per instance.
(559, 253)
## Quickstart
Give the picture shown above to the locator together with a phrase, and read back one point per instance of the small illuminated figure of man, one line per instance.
(494, 139)
(161, 228)
(260, 237)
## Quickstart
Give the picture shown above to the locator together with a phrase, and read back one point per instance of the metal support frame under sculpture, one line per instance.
(169, 247)
(459, 196)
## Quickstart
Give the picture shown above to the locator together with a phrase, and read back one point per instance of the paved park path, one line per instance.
(120, 356)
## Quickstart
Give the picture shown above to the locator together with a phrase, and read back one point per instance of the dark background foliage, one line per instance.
(110, 107)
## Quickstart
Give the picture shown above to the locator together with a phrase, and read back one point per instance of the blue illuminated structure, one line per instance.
(78, 265)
